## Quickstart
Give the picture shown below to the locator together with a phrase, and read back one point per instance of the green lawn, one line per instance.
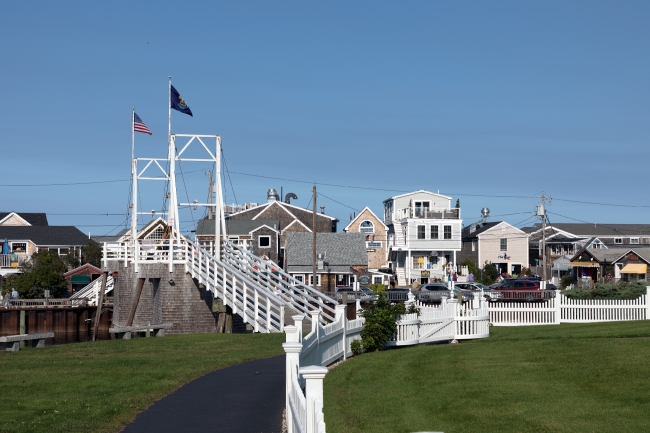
(567, 378)
(101, 386)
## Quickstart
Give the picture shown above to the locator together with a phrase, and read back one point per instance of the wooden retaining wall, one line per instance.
(69, 324)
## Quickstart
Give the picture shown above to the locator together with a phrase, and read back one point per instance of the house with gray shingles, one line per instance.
(289, 218)
(27, 233)
(261, 237)
(344, 258)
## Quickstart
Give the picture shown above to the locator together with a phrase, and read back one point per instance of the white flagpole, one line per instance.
(134, 182)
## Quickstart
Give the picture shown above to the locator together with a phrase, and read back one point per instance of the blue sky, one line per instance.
(474, 99)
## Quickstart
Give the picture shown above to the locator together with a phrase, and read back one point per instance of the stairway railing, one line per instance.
(302, 298)
(255, 303)
(257, 306)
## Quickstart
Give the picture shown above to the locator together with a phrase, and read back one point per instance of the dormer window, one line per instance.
(367, 227)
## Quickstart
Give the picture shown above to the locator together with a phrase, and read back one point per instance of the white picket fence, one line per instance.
(325, 345)
(563, 309)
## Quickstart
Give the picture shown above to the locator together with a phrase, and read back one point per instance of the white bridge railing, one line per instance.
(302, 298)
(257, 305)
(562, 309)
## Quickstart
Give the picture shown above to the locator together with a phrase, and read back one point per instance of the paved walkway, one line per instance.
(232, 400)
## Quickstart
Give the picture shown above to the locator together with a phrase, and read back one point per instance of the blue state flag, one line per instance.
(178, 104)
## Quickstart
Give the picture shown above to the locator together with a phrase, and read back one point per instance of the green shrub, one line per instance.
(488, 274)
(620, 291)
(357, 347)
(381, 323)
(566, 282)
(377, 288)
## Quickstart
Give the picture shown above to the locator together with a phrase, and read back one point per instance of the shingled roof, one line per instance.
(35, 219)
(45, 235)
(341, 251)
(205, 227)
(604, 230)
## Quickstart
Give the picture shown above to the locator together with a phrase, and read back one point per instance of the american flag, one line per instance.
(138, 125)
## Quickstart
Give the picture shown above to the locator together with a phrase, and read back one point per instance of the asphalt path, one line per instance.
(244, 398)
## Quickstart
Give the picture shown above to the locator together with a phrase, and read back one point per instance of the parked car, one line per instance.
(520, 289)
(434, 292)
(476, 288)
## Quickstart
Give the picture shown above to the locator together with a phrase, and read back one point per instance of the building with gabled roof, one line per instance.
(375, 233)
(499, 243)
(30, 232)
(344, 258)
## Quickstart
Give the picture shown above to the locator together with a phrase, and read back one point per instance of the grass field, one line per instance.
(567, 378)
(101, 386)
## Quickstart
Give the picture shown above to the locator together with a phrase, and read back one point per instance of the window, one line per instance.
(422, 232)
(377, 279)
(504, 245)
(373, 244)
(418, 262)
(447, 232)
(634, 240)
(473, 245)
(421, 208)
(434, 232)
(63, 251)
(618, 240)
(367, 227)
(300, 278)
(18, 248)
(265, 241)
(311, 280)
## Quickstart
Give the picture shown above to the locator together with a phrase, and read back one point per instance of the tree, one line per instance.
(457, 203)
(381, 323)
(44, 270)
(471, 266)
(90, 253)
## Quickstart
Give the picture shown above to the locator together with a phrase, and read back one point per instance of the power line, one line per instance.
(335, 201)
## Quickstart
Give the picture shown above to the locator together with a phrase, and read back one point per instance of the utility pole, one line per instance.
(313, 229)
(541, 211)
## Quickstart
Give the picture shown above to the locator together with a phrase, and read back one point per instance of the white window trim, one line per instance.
(437, 233)
(299, 277)
(373, 242)
(444, 233)
(618, 240)
(365, 229)
(417, 232)
(635, 241)
(259, 241)
(376, 279)
(311, 279)
(501, 244)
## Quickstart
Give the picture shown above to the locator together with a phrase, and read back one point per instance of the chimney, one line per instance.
(272, 195)
(322, 210)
